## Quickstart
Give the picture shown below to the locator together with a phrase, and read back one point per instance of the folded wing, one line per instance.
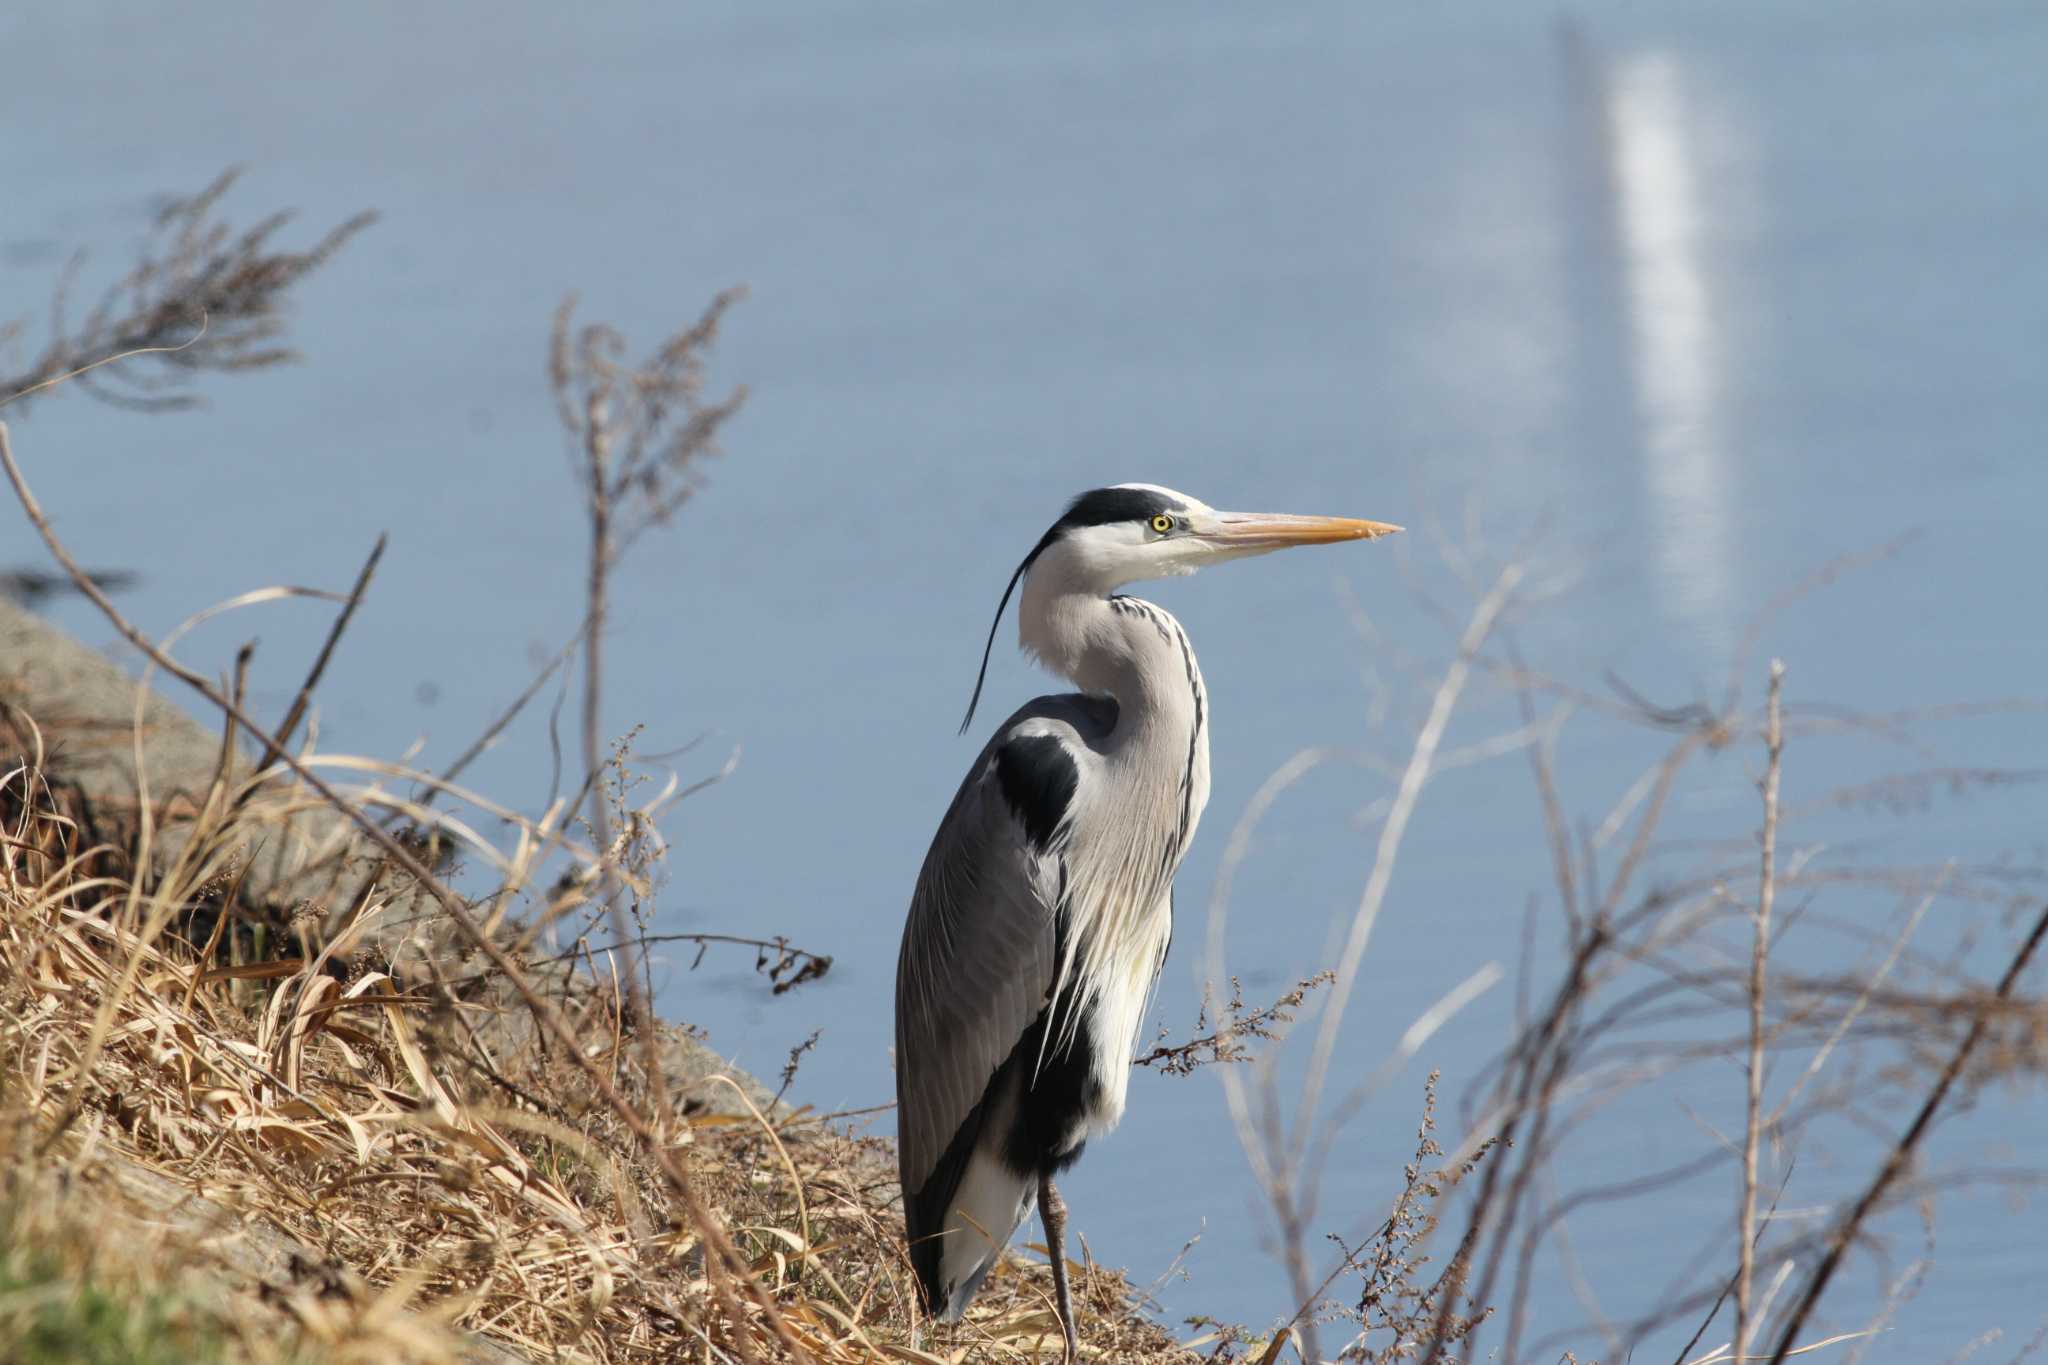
(975, 971)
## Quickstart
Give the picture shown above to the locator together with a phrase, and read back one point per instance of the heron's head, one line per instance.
(1132, 532)
(1137, 531)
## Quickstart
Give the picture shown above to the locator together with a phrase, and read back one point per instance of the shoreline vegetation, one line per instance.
(230, 1134)
(301, 1066)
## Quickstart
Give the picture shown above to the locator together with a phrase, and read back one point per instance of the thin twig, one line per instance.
(790, 967)
(504, 718)
(304, 699)
(1759, 952)
(597, 454)
(22, 389)
(1406, 797)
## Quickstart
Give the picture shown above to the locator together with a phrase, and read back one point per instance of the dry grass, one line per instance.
(302, 1156)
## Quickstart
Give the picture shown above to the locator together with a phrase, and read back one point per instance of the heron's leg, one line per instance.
(1053, 1211)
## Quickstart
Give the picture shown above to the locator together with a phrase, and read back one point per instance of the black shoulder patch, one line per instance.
(1038, 778)
(1104, 506)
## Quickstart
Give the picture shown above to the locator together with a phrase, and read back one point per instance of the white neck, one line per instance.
(1129, 649)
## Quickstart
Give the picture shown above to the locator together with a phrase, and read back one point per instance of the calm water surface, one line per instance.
(1713, 295)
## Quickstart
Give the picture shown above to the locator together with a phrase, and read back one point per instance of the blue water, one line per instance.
(1712, 295)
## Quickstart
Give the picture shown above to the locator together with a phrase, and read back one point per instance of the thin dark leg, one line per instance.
(1053, 1211)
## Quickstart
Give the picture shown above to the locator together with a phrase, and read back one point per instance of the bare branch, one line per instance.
(304, 698)
(784, 964)
(1759, 954)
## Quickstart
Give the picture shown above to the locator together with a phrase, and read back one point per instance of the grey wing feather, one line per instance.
(978, 955)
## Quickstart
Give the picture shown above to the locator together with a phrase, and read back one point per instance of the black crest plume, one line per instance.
(996, 625)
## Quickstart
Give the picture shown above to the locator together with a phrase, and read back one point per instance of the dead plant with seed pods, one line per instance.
(201, 297)
(638, 434)
(1230, 1040)
(1400, 1300)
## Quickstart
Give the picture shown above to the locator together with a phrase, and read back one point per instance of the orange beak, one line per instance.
(1273, 530)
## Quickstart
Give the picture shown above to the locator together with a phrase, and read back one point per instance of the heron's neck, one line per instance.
(1127, 648)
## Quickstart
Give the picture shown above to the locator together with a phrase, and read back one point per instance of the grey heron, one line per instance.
(1043, 910)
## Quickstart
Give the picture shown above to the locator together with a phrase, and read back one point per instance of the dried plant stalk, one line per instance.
(1759, 956)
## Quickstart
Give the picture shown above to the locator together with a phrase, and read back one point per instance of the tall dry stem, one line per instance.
(1759, 955)
(639, 431)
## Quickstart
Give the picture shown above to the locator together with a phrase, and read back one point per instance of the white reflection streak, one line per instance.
(1676, 343)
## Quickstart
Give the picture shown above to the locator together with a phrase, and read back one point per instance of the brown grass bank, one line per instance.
(300, 1155)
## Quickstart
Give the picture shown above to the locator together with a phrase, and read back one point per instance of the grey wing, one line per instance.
(978, 954)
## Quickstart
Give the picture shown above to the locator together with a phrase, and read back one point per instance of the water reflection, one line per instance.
(1678, 345)
(1642, 132)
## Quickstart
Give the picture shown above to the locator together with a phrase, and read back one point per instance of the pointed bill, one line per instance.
(1272, 530)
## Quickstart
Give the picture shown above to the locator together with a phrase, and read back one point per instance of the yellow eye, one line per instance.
(1162, 523)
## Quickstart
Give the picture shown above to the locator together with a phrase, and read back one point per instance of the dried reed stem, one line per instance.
(597, 443)
(497, 727)
(1759, 952)
(304, 699)
(1406, 797)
